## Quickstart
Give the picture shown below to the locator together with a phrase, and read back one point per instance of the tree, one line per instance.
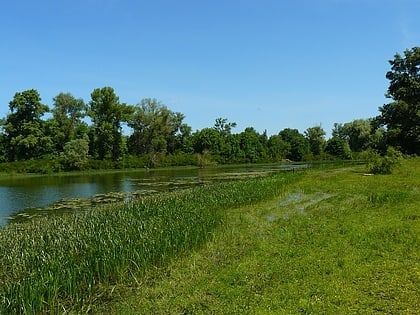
(231, 150)
(223, 126)
(24, 130)
(229, 144)
(183, 139)
(3, 144)
(107, 114)
(277, 148)
(299, 145)
(76, 153)
(156, 129)
(251, 145)
(68, 113)
(358, 133)
(316, 139)
(402, 116)
(338, 147)
(207, 140)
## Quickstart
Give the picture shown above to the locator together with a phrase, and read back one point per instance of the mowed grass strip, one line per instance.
(335, 242)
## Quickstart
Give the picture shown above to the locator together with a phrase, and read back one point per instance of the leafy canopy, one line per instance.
(402, 117)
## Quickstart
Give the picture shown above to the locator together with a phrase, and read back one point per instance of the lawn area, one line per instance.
(333, 242)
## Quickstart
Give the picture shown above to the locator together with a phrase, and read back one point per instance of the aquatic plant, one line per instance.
(56, 264)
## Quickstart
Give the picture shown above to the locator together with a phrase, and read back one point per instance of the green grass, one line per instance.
(72, 262)
(324, 241)
(334, 242)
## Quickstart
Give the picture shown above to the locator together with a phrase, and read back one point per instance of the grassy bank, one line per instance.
(70, 262)
(328, 241)
(334, 242)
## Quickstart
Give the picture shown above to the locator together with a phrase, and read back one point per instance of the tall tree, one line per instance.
(359, 133)
(224, 126)
(183, 140)
(251, 145)
(316, 139)
(24, 130)
(229, 147)
(277, 148)
(3, 145)
(402, 116)
(338, 147)
(68, 113)
(107, 114)
(299, 145)
(207, 140)
(232, 151)
(156, 129)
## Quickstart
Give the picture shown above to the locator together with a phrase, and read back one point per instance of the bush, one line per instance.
(377, 164)
(76, 154)
(46, 165)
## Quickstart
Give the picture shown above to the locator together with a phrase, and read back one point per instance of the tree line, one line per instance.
(79, 135)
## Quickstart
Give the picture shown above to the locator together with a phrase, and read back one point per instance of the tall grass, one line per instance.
(56, 264)
(335, 242)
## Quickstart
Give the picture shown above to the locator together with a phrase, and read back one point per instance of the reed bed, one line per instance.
(56, 264)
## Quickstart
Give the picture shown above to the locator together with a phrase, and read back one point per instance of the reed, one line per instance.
(334, 242)
(56, 264)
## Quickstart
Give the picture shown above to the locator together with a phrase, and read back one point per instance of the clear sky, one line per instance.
(269, 64)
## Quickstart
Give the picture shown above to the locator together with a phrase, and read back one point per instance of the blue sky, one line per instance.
(269, 64)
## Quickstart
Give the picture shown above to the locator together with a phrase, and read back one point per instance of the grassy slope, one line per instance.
(336, 242)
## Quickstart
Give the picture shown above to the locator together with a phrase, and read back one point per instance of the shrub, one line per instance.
(377, 164)
(75, 154)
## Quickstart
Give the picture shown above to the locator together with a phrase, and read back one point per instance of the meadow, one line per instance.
(317, 241)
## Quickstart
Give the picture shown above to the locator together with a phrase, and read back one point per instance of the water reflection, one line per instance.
(20, 194)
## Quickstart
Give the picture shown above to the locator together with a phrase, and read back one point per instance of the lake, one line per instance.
(23, 197)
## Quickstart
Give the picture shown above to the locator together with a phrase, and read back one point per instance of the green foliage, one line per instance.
(224, 126)
(402, 117)
(277, 149)
(107, 114)
(24, 130)
(316, 138)
(3, 147)
(207, 139)
(159, 135)
(299, 145)
(178, 159)
(94, 164)
(359, 133)
(251, 146)
(339, 148)
(76, 153)
(377, 164)
(46, 165)
(204, 159)
(67, 123)
(156, 129)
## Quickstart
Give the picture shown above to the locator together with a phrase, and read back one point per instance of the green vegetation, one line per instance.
(377, 164)
(60, 263)
(158, 136)
(402, 116)
(333, 242)
(325, 240)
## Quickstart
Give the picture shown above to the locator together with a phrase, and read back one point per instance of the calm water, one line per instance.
(31, 194)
